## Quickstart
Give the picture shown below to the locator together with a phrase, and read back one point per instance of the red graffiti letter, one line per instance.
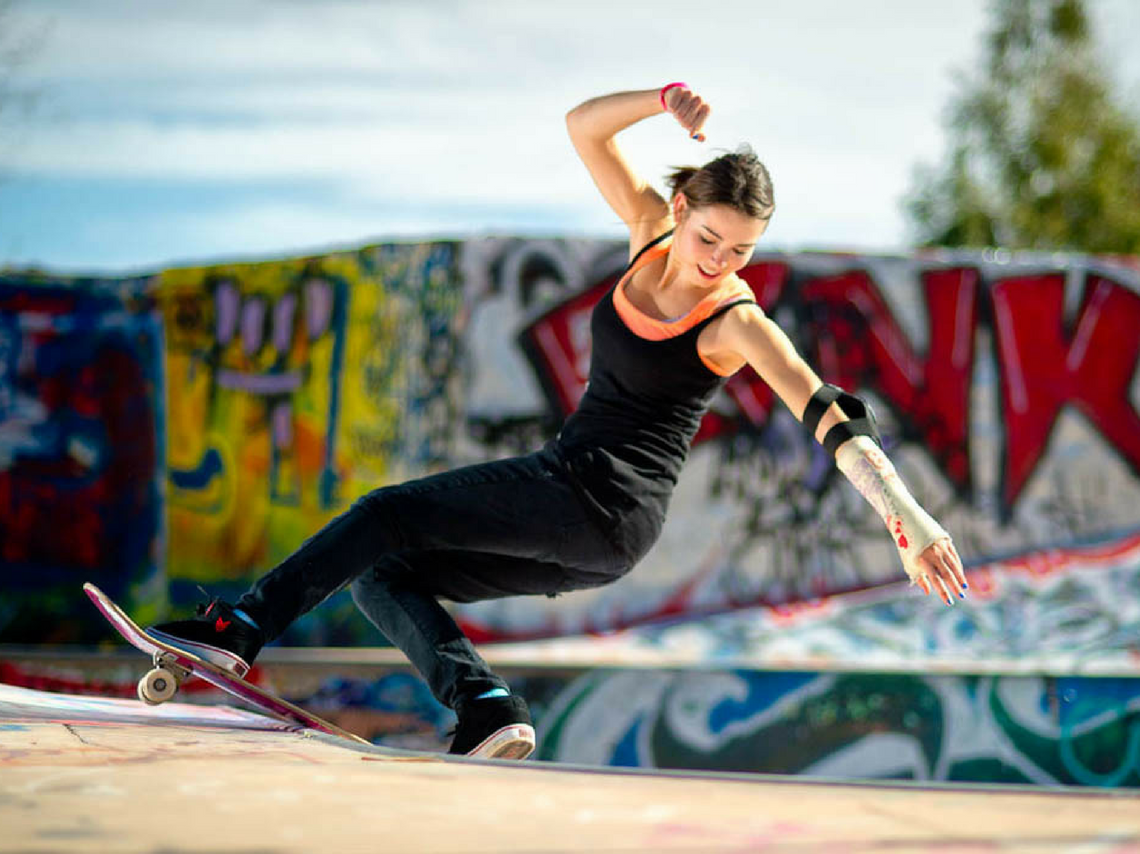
(858, 343)
(1044, 368)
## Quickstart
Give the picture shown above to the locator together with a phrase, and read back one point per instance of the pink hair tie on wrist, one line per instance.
(666, 88)
(699, 137)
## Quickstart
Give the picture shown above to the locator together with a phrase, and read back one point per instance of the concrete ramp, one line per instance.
(113, 775)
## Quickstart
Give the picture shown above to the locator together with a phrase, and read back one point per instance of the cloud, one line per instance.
(459, 106)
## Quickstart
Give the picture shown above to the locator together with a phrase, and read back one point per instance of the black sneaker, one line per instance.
(216, 634)
(494, 728)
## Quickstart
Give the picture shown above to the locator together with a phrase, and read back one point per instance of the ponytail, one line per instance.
(737, 179)
(678, 178)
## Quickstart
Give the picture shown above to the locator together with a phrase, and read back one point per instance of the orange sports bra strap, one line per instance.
(721, 309)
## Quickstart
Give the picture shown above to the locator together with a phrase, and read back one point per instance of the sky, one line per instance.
(163, 134)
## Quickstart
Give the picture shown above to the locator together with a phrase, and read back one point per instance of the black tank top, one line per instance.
(625, 444)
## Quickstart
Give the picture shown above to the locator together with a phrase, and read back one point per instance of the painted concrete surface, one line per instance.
(87, 782)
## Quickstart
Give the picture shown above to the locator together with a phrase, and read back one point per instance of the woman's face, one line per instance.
(714, 241)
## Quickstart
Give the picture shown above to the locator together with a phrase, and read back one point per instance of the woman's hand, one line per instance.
(688, 108)
(940, 569)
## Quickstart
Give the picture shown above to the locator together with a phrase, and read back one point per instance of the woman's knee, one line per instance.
(369, 589)
(365, 582)
(373, 503)
(378, 579)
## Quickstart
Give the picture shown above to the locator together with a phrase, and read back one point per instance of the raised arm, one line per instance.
(927, 552)
(593, 126)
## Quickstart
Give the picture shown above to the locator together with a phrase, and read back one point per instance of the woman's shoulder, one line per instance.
(735, 288)
(641, 234)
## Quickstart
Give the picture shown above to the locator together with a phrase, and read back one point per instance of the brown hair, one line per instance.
(737, 179)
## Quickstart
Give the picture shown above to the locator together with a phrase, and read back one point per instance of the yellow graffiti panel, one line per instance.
(284, 402)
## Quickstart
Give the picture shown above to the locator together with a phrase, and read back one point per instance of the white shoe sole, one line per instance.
(215, 655)
(510, 742)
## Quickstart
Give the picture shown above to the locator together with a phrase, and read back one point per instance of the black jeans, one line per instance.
(505, 528)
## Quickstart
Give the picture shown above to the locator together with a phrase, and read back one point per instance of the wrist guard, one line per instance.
(873, 474)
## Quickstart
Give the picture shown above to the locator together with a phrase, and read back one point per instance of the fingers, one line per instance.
(956, 564)
(942, 571)
(949, 565)
(931, 581)
(944, 590)
(689, 109)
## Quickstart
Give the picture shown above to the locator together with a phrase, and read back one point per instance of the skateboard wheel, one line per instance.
(157, 686)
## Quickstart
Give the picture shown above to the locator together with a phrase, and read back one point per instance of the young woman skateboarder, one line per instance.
(584, 509)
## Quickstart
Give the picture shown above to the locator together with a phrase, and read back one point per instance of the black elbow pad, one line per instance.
(860, 413)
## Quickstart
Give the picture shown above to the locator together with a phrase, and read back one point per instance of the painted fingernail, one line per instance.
(965, 586)
(961, 595)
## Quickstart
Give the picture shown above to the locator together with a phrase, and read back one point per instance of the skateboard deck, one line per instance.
(173, 665)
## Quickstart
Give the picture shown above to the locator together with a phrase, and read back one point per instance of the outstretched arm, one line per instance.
(593, 126)
(926, 550)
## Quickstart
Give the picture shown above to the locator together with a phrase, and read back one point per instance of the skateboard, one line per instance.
(172, 666)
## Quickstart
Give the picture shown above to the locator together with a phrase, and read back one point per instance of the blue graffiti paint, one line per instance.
(395, 692)
(202, 475)
(1130, 759)
(329, 480)
(1103, 705)
(763, 692)
(625, 753)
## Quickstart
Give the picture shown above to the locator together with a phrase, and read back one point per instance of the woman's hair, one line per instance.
(737, 179)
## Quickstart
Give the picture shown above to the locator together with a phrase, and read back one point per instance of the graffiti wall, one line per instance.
(193, 427)
(295, 387)
(998, 729)
(1006, 388)
(1070, 611)
(274, 393)
(81, 448)
(981, 728)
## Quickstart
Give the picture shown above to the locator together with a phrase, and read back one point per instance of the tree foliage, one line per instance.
(1042, 155)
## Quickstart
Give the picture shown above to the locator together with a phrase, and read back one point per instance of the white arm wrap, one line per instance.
(873, 474)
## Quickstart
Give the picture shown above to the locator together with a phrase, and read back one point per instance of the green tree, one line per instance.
(1042, 155)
